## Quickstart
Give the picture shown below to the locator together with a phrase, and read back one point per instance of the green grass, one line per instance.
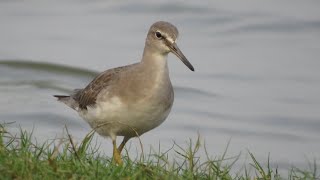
(21, 158)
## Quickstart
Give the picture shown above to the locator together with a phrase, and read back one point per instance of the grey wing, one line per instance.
(88, 96)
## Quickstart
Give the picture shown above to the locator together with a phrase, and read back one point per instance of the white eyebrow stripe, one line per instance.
(170, 40)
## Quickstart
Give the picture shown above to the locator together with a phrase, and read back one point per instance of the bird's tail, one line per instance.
(61, 97)
(68, 100)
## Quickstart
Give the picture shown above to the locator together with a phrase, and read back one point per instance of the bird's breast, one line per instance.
(135, 103)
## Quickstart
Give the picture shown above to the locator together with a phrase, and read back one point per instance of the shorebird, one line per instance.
(133, 99)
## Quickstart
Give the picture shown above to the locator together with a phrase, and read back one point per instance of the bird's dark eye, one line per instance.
(158, 35)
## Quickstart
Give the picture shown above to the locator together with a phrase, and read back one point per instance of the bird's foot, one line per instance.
(117, 156)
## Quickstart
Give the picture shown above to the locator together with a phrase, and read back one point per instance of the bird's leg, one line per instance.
(124, 141)
(116, 153)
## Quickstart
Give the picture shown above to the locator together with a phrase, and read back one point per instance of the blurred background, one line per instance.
(256, 80)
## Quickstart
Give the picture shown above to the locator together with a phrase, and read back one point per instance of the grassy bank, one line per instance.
(21, 158)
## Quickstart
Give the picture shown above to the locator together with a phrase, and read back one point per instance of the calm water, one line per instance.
(257, 78)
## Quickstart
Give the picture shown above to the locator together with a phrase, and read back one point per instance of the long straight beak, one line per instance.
(175, 50)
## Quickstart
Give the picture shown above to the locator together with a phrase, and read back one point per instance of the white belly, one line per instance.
(115, 118)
